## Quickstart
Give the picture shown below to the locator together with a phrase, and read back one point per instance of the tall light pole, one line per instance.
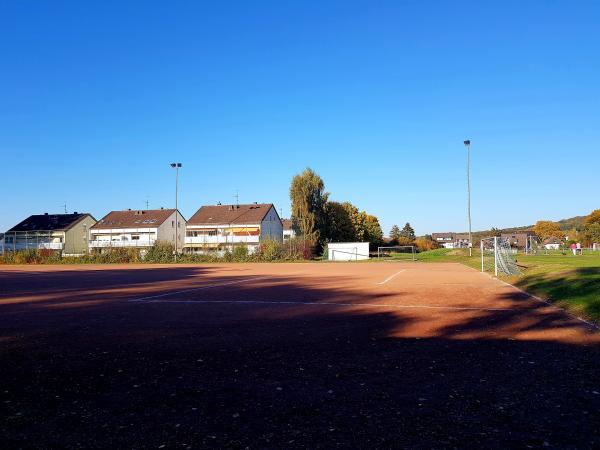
(468, 145)
(176, 166)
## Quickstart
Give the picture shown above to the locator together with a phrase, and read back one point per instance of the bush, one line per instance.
(424, 245)
(160, 252)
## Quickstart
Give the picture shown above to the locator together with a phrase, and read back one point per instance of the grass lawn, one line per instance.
(572, 282)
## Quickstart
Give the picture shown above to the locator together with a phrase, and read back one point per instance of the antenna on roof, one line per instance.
(237, 198)
(147, 202)
(65, 207)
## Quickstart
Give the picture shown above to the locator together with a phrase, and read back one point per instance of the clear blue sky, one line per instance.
(96, 98)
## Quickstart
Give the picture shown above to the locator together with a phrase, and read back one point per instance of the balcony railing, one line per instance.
(222, 239)
(34, 245)
(121, 244)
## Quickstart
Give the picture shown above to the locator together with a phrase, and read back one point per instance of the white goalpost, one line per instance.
(388, 252)
(497, 255)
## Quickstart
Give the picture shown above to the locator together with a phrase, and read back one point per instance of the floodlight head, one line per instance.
(467, 142)
(175, 165)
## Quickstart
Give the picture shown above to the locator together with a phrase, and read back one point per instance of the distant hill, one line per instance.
(565, 225)
(573, 222)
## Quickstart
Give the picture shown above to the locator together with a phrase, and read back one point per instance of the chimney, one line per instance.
(45, 214)
(74, 212)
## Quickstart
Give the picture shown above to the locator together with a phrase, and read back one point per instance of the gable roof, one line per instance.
(230, 214)
(147, 218)
(49, 222)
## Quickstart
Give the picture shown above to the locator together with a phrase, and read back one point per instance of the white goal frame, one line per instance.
(412, 250)
(502, 261)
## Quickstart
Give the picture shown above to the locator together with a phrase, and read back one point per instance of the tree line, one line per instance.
(320, 220)
(587, 235)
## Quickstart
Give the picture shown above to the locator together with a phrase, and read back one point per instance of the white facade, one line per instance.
(271, 226)
(347, 251)
(225, 236)
(139, 237)
(552, 246)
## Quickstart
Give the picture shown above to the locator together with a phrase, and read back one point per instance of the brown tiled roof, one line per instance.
(148, 218)
(287, 224)
(230, 214)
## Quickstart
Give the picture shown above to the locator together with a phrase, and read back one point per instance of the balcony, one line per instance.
(33, 245)
(122, 244)
(211, 240)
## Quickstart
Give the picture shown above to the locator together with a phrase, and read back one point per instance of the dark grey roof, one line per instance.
(49, 222)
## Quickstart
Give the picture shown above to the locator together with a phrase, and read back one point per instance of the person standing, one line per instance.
(574, 248)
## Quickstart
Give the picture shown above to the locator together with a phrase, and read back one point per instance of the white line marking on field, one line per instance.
(539, 299)
(392, 276)
(208, 286)
(368, 305)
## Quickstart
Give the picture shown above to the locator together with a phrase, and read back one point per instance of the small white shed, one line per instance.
(347, 251)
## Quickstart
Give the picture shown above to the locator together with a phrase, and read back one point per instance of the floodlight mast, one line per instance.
(176, 166)
(467, 143)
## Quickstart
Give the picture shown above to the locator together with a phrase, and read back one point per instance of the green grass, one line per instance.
(572, 282)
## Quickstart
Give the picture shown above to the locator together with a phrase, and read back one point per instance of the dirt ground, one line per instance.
(308, 355)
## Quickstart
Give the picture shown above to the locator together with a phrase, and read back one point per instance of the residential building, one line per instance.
(451, 240)
(553, 243)
(288, 230)
(223, 227)
(519, 239)
(67, 233)
(137, 229)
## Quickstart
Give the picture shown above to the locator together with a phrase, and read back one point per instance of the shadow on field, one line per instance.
(190, 375)
(579, 287)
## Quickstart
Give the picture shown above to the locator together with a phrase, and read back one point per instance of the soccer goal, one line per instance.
(498, 256)
(534, 246)
(397, 252)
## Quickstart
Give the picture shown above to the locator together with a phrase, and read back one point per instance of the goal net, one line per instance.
(397, 252)
(534, 246)
(497, 256)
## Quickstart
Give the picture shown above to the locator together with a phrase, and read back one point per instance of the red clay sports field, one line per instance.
(306, 355)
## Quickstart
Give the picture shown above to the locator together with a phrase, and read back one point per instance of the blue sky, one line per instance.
(97, 98)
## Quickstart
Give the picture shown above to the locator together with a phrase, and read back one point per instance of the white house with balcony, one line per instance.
(220, 228)
(65, 233)
(288, 229)
(139, 229)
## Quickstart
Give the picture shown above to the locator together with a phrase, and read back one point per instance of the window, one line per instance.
(135, 238)
(172, 224)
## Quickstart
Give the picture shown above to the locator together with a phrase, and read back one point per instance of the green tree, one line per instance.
(308, 197)
(395, 234)
(408, 233)
(591, 233)
(373, 232)
(338, 223)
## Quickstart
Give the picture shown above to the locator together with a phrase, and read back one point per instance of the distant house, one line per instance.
(67, 233)
(519, 239)
(224, 227)
(137, 229)
(553, 243)
(288, 230)
(451, 240)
